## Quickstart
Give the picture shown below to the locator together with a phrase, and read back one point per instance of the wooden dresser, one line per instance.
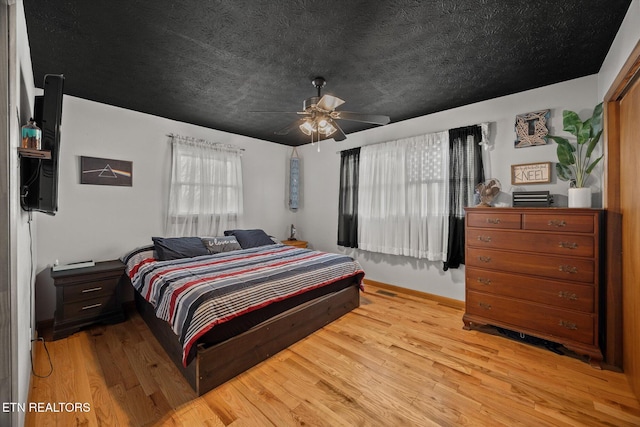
(536, 271)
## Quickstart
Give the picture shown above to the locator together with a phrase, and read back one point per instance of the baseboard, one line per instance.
(448, 302)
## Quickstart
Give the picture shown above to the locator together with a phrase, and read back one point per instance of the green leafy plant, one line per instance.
(574, 160)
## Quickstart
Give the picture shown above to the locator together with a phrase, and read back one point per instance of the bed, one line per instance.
(218, 314)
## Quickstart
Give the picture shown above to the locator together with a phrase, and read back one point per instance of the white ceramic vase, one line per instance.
(580, 197)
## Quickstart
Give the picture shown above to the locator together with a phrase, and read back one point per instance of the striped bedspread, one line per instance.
(195, 294)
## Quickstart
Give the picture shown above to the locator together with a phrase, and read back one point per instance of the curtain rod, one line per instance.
(218, 144)
(484, 126)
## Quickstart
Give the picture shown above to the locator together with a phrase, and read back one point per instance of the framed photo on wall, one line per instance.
(531, 173)
(99, 171)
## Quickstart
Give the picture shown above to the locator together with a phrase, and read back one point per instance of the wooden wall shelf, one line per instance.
(36, 154)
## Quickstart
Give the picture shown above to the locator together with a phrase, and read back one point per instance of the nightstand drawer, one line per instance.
(88, 290)
(91, 307)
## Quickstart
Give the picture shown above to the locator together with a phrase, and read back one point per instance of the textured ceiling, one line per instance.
(212, 63)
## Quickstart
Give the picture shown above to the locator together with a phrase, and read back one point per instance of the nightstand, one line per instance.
(85, 296)
(296, 243)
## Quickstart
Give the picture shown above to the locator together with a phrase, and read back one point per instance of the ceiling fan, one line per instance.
(320, 116)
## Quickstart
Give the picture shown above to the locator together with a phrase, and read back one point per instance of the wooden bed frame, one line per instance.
(219, 363)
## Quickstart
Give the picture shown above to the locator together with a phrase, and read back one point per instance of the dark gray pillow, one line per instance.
(178, 247)
(250, 238)
(215, 245)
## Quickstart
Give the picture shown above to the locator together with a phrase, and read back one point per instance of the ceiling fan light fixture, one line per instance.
(321, 116)
(326, 128)
(308, 127)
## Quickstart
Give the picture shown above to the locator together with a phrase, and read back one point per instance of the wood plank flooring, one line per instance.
(397, 360)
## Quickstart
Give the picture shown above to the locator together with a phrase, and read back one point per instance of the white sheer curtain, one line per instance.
(205, 196)
(403, 197)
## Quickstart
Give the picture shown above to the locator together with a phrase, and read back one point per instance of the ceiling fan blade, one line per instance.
(329, 103)
(289, 128)
(375, 119)
(338, 135)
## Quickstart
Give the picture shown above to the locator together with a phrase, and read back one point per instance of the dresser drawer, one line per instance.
(91, 307)
(553, 322)
(505, 220)
(558, 294)
(558, 222)
(89, 290)
(548, 243)
(555, 267)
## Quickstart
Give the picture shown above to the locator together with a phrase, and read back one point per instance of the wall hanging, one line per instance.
(294, 180)
(531, 129)
(531, 173)
(98, 171)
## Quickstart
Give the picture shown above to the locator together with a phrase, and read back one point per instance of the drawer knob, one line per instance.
(485, 239)
(89, 307)
(568, 245)
(557, 223)
(493, 220)
(568, 325)
(568, 295)
(84, 291)
(568, 269)
(484, 280)
(483, 258)
(485, 305)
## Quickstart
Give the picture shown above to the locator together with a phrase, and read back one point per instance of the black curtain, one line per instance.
(348, 203)
(465, 172)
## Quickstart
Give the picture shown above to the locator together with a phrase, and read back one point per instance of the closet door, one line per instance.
(630, 209)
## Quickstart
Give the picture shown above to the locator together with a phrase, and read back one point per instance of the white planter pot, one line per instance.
(580, 197)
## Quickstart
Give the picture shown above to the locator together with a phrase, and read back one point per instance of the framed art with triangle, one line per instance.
(98, 171)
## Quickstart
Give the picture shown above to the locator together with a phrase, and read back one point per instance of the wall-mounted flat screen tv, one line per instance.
(39, 177)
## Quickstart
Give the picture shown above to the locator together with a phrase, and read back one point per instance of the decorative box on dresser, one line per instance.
(536, 271)
(85, 296)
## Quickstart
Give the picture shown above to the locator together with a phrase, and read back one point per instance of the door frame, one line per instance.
(613, 242)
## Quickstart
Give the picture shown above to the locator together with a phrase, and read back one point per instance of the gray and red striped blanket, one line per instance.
(195, 294)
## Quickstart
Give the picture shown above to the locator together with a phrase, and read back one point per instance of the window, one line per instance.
(206, 189)
(402, 197)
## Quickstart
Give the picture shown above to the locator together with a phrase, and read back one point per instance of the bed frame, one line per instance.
(219, 363)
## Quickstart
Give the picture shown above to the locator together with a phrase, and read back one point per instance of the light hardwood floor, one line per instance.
(396, 360)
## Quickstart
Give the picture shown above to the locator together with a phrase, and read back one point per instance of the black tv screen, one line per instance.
(39, 177)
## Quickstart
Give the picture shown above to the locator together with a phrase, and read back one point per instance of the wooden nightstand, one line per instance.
(86, 296)
(296, 243)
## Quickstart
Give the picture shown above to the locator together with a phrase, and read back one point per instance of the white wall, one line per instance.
(317, 219)
(104, 222)
(20, 109)
(626, 40)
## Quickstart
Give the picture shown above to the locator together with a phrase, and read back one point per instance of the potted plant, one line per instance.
(574, 160)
